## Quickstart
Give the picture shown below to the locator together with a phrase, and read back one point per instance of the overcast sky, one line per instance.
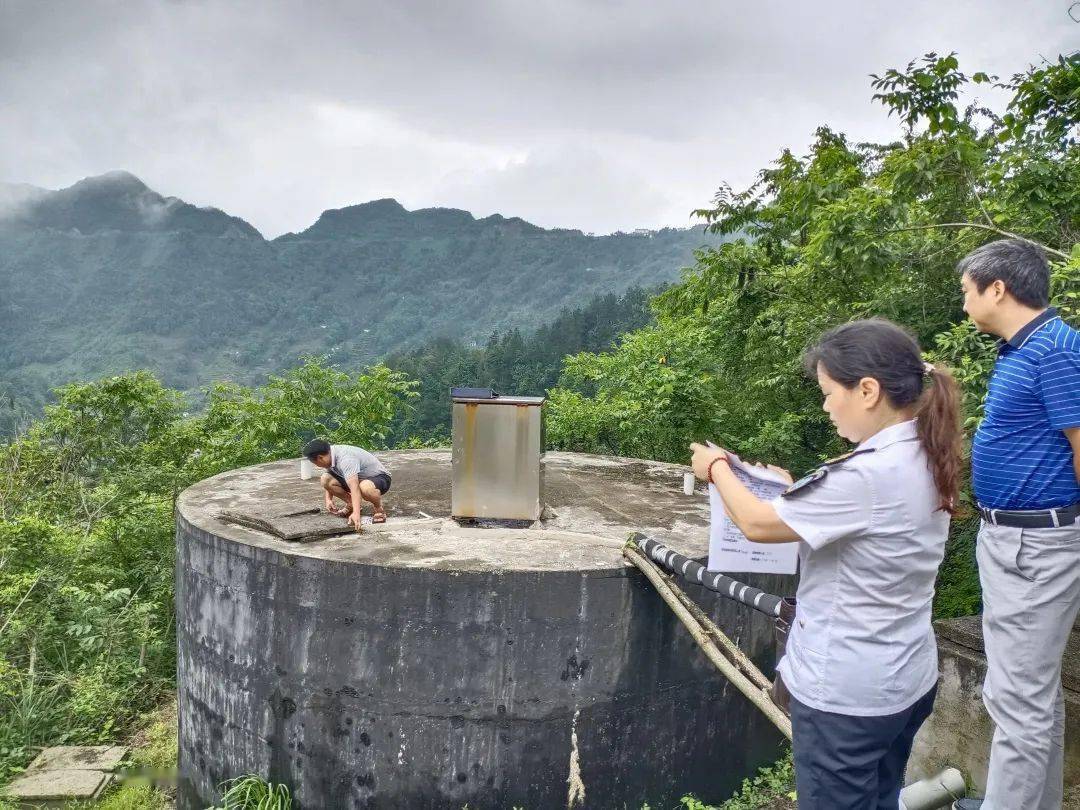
(589, 114)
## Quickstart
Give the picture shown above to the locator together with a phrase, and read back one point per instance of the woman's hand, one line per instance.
(703, 457)
(773, 468)
(780, 471)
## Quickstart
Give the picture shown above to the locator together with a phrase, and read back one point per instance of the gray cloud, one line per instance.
(16, 197)
(583, 113)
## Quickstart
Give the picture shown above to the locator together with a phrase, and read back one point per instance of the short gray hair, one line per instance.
(1019, 264)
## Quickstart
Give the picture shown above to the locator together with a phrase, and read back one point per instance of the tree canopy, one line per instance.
(849, 230)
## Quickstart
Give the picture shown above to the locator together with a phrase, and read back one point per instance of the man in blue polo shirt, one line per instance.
(1026, 473)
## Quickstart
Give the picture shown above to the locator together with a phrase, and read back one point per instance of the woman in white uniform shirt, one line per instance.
(861, 660)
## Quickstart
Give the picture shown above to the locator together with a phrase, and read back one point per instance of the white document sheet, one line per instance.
(729, 550)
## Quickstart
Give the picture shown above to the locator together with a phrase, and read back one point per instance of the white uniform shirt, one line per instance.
(862, 643)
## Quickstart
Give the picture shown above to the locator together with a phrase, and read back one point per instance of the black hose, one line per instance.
(722, 584)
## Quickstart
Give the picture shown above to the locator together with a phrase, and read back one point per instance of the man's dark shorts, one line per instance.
(380, 480)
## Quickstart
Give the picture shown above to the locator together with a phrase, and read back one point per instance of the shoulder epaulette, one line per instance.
(811, 479)
(834, 461)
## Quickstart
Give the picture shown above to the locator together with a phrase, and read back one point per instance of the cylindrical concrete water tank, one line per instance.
(426, 665)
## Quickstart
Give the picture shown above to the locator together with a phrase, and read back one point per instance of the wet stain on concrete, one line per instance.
(574, 671)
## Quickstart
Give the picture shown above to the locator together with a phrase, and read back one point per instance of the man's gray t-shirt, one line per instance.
(349, 461)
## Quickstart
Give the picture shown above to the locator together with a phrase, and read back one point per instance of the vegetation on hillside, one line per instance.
(86, 533)
(515, 362)
(91, 287)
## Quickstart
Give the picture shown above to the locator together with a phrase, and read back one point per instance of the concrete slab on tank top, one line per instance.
(592, 505)
(296, 527)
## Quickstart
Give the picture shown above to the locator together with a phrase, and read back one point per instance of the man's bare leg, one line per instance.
(370, 493)
(335, 490)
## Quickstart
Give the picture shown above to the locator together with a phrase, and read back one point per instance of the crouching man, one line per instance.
(353, 475)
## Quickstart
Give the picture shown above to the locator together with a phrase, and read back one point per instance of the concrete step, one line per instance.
(64, 774)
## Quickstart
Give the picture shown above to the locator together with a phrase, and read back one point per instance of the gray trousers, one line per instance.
(1031, 592)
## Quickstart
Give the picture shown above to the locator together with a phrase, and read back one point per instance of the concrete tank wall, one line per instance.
(424, 666)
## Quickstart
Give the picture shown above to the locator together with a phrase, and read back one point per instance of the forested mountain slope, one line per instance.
(108, 275)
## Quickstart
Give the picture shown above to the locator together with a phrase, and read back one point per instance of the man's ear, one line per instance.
(869, 391)
(998, 290)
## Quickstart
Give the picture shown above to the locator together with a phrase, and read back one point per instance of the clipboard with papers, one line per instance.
(729, 550)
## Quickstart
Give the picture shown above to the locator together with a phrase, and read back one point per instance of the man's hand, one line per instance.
(328, 503)
(354, 520)
(703, 457)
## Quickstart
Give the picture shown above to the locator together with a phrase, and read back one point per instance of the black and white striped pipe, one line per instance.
(696, 572)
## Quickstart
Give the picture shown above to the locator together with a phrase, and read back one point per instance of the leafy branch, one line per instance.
(980, 226)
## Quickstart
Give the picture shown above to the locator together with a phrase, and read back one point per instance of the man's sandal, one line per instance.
(379, 517)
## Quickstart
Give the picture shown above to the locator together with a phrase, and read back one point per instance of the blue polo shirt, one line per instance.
(1020, 458)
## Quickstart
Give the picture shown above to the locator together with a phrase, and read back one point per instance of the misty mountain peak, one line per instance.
(15, 195)
(387, 218)
(359, 220)
(120, 201)
(116, 181)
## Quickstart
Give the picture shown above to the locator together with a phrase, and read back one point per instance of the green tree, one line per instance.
(87, 498)
(846, 231)
(249, 425)
(514, 362)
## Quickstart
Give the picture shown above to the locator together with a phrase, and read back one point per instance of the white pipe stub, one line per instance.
(934, 792)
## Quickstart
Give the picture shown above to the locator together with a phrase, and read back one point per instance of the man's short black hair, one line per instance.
(1019, 264)
(315, 448)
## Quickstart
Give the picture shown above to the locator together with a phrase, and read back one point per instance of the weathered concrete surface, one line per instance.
(79, 757)
(959, 731)
(309, 524)
(56, 788)
(592, 504)
(424, 665)
(66, 773)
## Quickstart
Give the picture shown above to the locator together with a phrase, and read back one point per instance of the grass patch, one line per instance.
(773, 788)
(254, 793)
(149, 782)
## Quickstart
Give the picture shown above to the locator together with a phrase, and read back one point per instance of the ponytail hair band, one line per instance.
(928, 369)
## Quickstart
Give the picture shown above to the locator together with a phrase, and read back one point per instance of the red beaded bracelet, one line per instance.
(718, 458)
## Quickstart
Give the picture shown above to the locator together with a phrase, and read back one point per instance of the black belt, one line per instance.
(1032, 518)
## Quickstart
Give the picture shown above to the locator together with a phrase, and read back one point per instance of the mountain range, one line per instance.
(108, 275)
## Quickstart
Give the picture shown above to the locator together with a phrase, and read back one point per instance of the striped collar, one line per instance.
(1018, 340)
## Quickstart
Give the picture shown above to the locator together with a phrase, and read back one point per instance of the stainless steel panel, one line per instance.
(498, 471)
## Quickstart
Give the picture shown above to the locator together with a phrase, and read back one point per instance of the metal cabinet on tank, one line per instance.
(498, 464)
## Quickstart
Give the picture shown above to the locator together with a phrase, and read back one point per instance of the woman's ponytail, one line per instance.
(938, 427)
